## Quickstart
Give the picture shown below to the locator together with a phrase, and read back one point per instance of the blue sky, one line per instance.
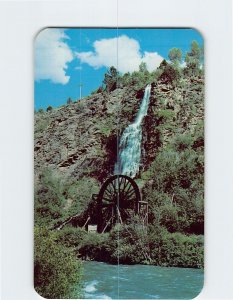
(64, 58)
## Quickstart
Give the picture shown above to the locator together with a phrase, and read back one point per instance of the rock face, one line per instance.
(81, 138)
(172, 111)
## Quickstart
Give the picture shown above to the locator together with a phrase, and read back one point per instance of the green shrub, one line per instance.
(134, 244)
(176, 249)
(69, 101)
(41, 125)
(95, 246)
(170, 74)
(176, 196)
(57, 271)
(167, 114)
(49, 108)
(41, 111)
(57, 198)
(71, 237)
(49, 198)
(80, 192)
(111, 79)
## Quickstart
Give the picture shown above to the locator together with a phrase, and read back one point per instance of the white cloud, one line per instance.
(52, 55)
(152, 60)
(129, 55)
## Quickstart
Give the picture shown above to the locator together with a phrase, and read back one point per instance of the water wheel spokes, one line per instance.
(118, 199)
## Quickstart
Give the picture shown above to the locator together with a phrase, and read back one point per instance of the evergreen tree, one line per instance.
(110, 79)
(169, 74)
(49, 108)
(175, 56)
(69, 101)
(143, 67)
(193, 59)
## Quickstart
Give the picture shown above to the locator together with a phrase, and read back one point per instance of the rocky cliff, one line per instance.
(80, 139)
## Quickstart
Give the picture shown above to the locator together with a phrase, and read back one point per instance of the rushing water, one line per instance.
(104, 281)
(130, 142)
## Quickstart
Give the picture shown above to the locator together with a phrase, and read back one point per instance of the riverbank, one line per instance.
(128, 244)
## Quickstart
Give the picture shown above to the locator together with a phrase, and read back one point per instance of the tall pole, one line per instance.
(80, 90)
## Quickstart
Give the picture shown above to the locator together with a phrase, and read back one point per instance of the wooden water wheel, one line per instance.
(118, 200)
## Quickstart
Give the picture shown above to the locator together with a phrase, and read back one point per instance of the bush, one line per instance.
(41, 111)
(80, 192)
(71, 237)
(49, 108)
(94, 246)
(111, 79)
(134, 244)
(128, 244)
(193, 60)
(49, 198)
(41, 125)
(69, 101)
(57, 198)
(176, 249)
(176, 195)
(170, 74)
(57, 272)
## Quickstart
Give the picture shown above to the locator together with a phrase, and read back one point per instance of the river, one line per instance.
(105, 281)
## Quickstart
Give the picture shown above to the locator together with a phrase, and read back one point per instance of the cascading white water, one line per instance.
(130, 142)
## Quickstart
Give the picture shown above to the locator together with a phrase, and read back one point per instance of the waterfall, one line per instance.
(130, 142)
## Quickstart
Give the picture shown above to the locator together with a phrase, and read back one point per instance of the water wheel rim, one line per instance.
(127, 191)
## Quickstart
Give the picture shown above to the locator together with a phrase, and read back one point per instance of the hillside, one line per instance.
(76, 138)
(80, 136)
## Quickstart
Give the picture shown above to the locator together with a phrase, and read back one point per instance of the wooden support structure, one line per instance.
(119, 214)
(86, 222)
(107, 224)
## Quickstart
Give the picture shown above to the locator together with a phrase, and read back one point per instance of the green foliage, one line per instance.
(49, 198)
(80, 193)
(95, 247)
(49, 108)
(41, 111)
(71, 237)
(104, 130)
(41, 124)
(175, 56)
(57, 271)
(163, 64)
(134, 244)
(57, 198)
(176, 193)
(110, 79)
(193, 59)
(175, 249)
(166, 114)
(69, 101)
(183, 141)
(106, 125)
(129, 244)
(137, 80)
(170, 74)
(143, 67)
